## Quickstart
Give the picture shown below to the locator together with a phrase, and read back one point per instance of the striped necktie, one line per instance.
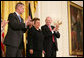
(19, 18)
(52, 35)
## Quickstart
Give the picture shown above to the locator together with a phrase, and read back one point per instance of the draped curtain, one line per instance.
(8, 7)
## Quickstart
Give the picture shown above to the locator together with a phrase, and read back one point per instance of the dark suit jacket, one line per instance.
(15, 32)
(48, 37)
(35, 39)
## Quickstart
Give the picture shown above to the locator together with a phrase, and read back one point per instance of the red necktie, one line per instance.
(52, 35)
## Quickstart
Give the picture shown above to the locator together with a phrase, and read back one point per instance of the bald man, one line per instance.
(50, 38)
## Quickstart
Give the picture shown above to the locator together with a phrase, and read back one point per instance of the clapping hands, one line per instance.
(28, 21)
(57, 26)
(3, 23)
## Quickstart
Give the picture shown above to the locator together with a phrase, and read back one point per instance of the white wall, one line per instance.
(57, 9)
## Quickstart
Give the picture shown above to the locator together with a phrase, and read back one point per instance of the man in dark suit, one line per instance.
(27, 45)
(50, 38)
(16, 28)
(35, 39)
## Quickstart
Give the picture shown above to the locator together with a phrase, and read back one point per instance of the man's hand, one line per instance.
(31, 51)
(57, 25)
(56, 28)
(27, 22)
(4, 23)
(43, 52)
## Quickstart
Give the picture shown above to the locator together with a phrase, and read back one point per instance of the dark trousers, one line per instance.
(37, 53)
(28, 54)
(51, 51)
(13, 51)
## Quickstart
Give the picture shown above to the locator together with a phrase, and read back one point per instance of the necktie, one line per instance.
(52, 35)
(19, 18)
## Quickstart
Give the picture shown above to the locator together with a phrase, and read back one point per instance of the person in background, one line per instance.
(3, 24)
(27, 45)
(35, 39)
(51, 34)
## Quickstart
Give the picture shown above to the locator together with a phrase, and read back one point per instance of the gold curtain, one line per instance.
(8, 7)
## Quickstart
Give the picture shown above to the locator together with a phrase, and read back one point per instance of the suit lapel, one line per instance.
(21, 20)
(52, 27)
(17, 17)
(47, 28)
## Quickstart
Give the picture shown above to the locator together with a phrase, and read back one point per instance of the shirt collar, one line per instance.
(17, 14)
(48, 25)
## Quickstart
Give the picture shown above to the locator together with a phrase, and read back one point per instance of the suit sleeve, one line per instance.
(25, 29)
(14, 23)
(45, 32)
(30, 39)
(57, 34)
